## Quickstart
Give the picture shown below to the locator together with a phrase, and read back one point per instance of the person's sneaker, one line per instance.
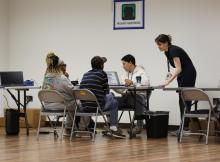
(117, 134)
(135, 130)
(120, 130)
(177, 132)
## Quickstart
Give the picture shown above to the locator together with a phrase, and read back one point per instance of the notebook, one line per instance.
(11, 78)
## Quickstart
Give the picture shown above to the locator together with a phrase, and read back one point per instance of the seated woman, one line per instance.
(63, 68)
(55, 80)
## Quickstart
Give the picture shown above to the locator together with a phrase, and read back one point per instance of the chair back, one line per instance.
(84, 95)
(88, 106)
(87, 99)
(194, 94)
(50, 96)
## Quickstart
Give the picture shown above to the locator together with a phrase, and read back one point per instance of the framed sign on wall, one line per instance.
(128, 14)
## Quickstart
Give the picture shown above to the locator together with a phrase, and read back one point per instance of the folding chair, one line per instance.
(123, 109)
(194, 94)
(85, 95)
(52, 96)
(130, 108)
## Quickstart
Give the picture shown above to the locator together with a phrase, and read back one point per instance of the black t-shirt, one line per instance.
(175, 51)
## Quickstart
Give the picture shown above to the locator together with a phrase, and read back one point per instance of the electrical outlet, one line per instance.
(216, 101)
(29, 98)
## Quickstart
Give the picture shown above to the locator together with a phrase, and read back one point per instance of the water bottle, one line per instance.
(138, 80)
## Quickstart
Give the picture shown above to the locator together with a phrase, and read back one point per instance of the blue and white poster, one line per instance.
(128, 14)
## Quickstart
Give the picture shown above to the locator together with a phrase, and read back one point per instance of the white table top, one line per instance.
(22, 87)
(142, 87)
(202, 88)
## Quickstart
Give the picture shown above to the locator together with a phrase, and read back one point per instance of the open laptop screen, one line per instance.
(11, 78)
(113, 78)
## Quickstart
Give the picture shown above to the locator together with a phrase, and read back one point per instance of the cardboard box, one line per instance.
(193, 125)
(33, 119)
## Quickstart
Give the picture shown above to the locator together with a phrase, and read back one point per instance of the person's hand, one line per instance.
(66, 74)
(163, 85)
(166, 83)
(128, 82)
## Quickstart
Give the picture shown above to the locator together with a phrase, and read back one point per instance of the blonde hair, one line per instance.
(52, 64)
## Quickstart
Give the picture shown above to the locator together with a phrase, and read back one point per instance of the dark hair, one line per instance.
(52, 60)
(128, 58)
(55, 61)
(163, 38)
(52, 63)
(97, 63)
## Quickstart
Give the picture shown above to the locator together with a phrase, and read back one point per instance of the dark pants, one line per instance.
(186, 79)
(128, 100)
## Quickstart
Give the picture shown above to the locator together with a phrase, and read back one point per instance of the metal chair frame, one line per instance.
(87, 95)
(195, 94)
(52, 96)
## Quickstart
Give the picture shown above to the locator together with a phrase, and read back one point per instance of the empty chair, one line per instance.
(84, 95)
(194, 94)
(52, 96)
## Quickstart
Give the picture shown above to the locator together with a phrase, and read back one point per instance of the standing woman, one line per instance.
(185, 71)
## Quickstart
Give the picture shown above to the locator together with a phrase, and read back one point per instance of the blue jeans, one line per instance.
(111, 105)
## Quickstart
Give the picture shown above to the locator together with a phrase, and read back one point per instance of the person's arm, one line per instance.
(67, 86)
(177, 71)
(128, 82)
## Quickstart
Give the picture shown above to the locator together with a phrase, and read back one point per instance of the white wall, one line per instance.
(79, 29)
(3, 35)
(3, 43)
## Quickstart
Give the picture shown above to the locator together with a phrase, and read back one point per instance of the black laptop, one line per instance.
(11, 78)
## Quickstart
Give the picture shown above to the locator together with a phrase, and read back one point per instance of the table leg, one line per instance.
(131, 134)
(25, 113)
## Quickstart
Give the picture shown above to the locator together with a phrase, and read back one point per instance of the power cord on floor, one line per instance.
(7, 101)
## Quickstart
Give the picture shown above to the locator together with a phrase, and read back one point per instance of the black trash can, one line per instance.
(12, 122)
(157, 124)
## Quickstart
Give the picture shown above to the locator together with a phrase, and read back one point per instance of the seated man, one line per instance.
(132, 72)
(96, 81)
